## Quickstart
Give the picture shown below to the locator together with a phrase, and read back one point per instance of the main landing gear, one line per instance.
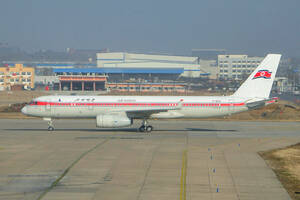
(145, 127)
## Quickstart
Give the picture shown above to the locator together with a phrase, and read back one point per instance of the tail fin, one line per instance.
(259, 83)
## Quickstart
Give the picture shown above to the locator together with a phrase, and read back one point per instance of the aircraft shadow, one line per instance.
(119, 130)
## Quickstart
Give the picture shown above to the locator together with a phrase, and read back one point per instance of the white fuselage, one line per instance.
(119, 111)
(91, 106)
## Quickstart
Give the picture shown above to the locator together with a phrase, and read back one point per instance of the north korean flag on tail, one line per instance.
(266, 74)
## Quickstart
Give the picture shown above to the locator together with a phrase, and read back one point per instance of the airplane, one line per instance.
(120, 111)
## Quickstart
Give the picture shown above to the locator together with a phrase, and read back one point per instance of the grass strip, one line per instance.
(279, 166)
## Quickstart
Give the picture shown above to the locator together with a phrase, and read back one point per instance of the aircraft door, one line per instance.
(48, 106)
(230, 106)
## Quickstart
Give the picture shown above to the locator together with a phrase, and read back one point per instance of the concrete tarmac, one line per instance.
(179, 160)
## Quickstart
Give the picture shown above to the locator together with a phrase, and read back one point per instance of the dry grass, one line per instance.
(285, 163)
(281, 111)
(12, 97)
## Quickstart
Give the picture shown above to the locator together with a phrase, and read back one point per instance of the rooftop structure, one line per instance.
(120, 70)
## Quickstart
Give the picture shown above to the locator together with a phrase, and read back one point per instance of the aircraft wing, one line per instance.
(147, 112)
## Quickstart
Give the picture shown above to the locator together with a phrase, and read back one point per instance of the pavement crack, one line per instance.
(147, 171)
(231, 176)
(65, 172)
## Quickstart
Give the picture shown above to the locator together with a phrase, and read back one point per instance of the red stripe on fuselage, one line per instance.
(41, 103)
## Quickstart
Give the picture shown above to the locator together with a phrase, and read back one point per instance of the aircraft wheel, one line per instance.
(50, 128)
(142, 129)
(149, 128)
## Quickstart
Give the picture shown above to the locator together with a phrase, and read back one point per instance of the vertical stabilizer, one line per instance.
(259, 83)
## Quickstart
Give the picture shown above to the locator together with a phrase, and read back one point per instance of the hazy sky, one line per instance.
(169, 26)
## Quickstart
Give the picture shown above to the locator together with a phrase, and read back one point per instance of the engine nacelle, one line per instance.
(112, 121)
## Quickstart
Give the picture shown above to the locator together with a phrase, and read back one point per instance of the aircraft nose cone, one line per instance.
(24, 110)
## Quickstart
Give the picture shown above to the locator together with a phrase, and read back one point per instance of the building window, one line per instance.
(233, 66)
(12, 80)
(23, 73)
(23, 79)
(1, 80)
(28, 73)
(221, 65)
(225, 70)
(234, 70)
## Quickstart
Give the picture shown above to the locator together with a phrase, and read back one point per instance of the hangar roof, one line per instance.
(121, 70)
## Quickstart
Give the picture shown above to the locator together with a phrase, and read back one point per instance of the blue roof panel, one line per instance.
(121, 70)
(54, 64)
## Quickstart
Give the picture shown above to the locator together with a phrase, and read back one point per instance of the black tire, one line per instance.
(50, 128)
(142, 129)
(149, 128)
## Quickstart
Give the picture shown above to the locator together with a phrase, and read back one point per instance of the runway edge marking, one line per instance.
(69, 168)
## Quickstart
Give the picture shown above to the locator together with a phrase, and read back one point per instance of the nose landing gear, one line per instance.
(50, 128)
(145, 127)
(50, 124)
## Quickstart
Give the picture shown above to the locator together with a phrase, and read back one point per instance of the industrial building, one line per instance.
(236, 67)
(17, 77)
(122, 71)
(190, 65)
(100, 79)
(147, 87)
(282, 85)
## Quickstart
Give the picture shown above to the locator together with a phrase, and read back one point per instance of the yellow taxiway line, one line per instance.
(183, 176)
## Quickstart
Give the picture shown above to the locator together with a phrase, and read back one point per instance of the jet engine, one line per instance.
(112, 121)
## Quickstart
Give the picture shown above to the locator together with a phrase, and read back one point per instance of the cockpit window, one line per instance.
(33, 103)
